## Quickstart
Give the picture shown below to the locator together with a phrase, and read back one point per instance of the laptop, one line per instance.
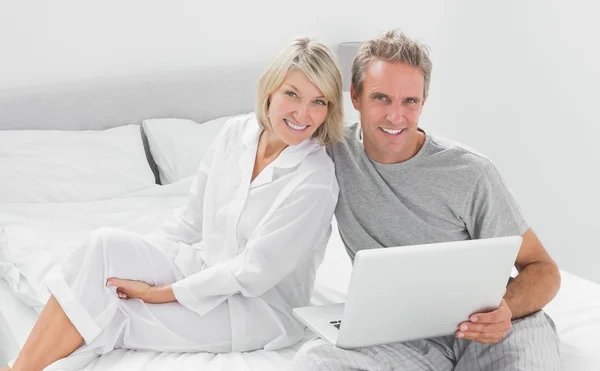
(415, 292)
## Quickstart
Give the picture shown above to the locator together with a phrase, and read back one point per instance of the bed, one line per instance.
(131, 171)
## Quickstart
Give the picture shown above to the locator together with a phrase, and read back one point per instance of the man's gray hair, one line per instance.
(395, 47)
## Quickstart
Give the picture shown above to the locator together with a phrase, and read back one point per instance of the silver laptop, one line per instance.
(415, 292)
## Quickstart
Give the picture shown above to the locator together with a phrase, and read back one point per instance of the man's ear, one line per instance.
(355, 98)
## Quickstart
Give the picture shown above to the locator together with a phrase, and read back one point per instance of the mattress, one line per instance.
(575, 310)
(576, 313)
(16, 321)
(42, 234)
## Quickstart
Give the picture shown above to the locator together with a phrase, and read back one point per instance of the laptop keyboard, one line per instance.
(336, 324)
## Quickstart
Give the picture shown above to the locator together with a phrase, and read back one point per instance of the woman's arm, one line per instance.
(287, 239)
(284, 242)
(131, 289)
(187, 226)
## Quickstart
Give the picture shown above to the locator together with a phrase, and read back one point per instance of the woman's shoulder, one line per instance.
(319, 168)
(234, 129)
(236, 125)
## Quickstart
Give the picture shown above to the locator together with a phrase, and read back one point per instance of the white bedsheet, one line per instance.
(35, 237)
(16, 320)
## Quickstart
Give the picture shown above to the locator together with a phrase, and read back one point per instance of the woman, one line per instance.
(243, 252)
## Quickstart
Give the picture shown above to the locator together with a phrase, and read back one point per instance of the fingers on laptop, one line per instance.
(480, 327)
(501, 314)
(482, 337)
(474, 331)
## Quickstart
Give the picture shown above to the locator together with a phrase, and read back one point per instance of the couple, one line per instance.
(245, 249)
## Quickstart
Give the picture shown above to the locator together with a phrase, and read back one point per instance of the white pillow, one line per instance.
(333, 276)
(178, 145)
(72, 166)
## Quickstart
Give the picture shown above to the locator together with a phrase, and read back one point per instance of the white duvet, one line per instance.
(36, 237)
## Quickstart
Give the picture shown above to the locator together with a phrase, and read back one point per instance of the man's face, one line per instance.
(390, 104)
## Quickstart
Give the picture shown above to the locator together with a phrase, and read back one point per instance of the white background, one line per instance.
(516, 80)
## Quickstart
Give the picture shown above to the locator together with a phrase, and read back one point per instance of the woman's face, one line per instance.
(297, 108)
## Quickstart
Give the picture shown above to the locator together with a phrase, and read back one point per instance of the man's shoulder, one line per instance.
(457, 155)
(351, 142)
(352, 131)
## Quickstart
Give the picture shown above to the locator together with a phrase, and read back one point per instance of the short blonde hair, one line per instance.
(321, 68)
(395, 47)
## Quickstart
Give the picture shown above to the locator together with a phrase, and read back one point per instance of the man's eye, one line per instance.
(411, 100)
(380, 97)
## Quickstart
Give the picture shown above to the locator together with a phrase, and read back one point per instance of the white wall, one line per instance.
(69, 40)
(518, 81)
(514, 79)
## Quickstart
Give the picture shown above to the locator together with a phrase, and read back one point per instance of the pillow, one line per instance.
(72, 166)
(333, 275)
(178, 146)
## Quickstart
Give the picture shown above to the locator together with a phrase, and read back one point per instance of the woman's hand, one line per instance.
(129, 288)
(141, 290)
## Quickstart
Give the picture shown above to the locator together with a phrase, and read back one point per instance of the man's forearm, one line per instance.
(532, 289)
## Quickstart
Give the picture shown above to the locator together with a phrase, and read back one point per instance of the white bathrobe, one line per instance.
(240, 256)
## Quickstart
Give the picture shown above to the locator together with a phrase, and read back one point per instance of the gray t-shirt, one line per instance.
(444, 193)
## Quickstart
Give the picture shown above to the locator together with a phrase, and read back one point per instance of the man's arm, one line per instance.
(538, 280)
(537, 283)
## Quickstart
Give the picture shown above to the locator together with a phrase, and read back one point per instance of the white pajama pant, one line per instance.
(107, 322)
(531, 345)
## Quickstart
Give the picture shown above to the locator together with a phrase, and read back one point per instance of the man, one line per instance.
(402, 186)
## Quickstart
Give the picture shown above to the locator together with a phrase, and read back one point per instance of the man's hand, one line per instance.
(487, 328)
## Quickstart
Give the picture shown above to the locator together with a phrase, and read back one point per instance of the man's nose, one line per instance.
(395, 112)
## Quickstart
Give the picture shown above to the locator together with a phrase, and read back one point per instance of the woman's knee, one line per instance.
(102, 247)
(109, 235)
(112, 242)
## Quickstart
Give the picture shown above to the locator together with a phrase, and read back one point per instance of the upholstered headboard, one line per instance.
(93, 105)
(100, 104)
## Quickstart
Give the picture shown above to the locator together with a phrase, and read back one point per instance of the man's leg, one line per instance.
(532, 344)
(425, 355)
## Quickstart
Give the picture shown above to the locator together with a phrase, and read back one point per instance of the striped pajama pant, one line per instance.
(532, 344)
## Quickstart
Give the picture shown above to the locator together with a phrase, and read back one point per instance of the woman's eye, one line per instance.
(321, 102)
(290, 94)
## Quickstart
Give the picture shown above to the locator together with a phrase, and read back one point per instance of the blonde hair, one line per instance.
(321, 68)
(391, 46)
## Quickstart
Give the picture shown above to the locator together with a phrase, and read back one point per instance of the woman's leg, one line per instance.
(171, 327)
(52, 337)
(82, 307)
